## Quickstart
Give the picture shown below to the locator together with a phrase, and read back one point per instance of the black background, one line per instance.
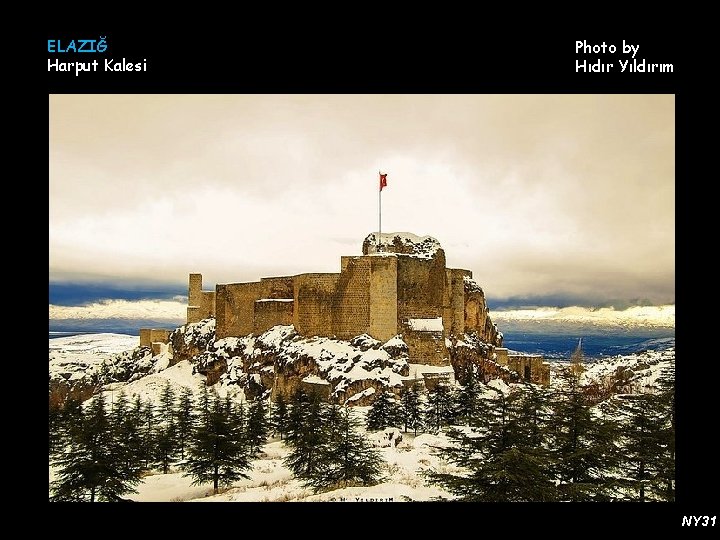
(367, 53)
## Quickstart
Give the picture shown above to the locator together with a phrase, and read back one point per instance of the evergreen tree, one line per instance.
(384, 412)
(131, 434)
(644, 445)
(55, 426)
(498, 465)
(279, 416)
(411, 409)
(125, 429)
(217, 453)
(165, 447)
(239, 418)
(203, 408)
(666, 402)
(91, 468)
(534, 411)
(185, 420)
(582, 445)
(70, 420)
(467, 400)
(439, 411)
(306, 435)
(148, 425)
(348, 459)
(258, 426)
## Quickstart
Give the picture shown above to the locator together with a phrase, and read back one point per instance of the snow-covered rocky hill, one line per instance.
(113, 364)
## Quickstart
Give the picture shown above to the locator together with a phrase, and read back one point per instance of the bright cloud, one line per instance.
(123, 309)
(536, 194)
(658, 316)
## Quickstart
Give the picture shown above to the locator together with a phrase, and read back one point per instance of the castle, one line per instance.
(399, 285)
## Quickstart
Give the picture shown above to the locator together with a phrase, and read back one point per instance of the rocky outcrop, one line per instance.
(192, 339)
(65, 388)
(477, 314)
(473, 355)
(80, 377)
(280, 361)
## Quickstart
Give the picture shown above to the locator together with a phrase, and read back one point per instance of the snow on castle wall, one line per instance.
(376, 293)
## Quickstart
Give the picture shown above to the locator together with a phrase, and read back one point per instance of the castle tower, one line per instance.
(194, 298)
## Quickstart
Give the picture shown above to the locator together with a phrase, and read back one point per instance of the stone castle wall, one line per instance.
(270, 312)
(236, 305)
(314, 296)
(383, 322)
(530, 367)
(454, 301)
(201, 304)
(426, 347)
(351, 302)
(148, 336)
(420, 287)
(374, 293)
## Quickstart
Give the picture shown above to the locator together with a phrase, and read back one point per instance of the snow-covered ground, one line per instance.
(641, 369)
(92, 344)
(270, 479)
(85, 353)
(150, 386)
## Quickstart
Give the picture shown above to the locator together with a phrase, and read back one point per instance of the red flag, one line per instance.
(383, 180)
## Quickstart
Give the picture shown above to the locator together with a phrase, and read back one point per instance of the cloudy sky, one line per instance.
(551, 200)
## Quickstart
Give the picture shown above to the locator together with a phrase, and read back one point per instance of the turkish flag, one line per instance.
(383, 180)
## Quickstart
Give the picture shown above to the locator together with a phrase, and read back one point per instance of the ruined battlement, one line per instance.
(530, 367)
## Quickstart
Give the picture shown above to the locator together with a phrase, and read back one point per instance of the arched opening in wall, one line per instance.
(527, 373)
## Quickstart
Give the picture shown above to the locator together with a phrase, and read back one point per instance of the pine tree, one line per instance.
(384, 412)
(279, 416)
(238, 416)
(71, 419)
(258, 426)
(203, 407)
(411, 409)
(306, 435)
(131, 434)
(91, 468)
(533, 415)
(498, 465)
(55, 425)
(185, 418)
(532, 411)
(148, 425)
(467, 400)
(348, 459)
(439, 411)
(165, 443)
(644, 445)
(125, 430)
(582, 445)
(666, 402)
(217, 453)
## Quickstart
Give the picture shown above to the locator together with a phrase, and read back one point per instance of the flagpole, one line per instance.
(379, 211)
